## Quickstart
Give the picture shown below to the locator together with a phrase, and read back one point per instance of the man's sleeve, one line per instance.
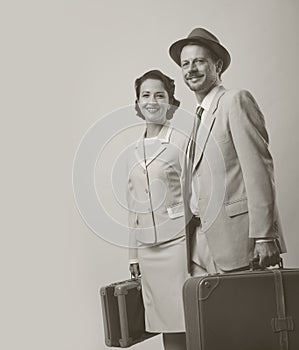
(250, 139)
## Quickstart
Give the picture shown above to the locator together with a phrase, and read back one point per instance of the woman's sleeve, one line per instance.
(132, 244)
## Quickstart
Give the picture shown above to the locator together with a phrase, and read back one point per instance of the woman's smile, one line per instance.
(152, 109)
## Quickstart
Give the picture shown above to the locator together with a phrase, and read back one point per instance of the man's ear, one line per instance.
(219, 65)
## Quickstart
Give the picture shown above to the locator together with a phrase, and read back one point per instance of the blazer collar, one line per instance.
(155, 146)
(208, 100)
(206, 127)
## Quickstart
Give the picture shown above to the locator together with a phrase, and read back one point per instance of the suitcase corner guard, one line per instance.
(209, 284)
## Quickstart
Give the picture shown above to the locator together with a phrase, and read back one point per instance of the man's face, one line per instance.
(199, 70)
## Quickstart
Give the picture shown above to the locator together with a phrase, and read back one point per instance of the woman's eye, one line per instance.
(161, 96)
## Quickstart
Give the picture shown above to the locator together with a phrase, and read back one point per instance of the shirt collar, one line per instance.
(164, 134)
(207, 101)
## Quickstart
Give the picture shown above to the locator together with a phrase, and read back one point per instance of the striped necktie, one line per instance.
(197, 120)
(188, 186)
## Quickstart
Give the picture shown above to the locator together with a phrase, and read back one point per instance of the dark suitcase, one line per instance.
(123, 313)
(252, 310)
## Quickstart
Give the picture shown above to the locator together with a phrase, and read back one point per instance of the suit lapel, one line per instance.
(158, 145)
(154, 147)
(205, 128)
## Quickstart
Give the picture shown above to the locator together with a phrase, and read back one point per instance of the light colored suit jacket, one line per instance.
(233, 180)
(156, 209)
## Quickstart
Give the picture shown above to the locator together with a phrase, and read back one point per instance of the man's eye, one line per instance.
(145, 95)
(184, 64)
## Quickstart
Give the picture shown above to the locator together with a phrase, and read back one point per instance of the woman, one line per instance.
(156, 218)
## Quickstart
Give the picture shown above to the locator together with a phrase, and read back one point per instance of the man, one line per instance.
(229, 190)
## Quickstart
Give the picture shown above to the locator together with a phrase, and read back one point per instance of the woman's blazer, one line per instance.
(154, 196)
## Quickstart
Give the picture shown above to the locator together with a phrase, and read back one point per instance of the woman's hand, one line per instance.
(134, 269)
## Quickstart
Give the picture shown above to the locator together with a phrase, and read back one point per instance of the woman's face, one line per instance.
(153, 101)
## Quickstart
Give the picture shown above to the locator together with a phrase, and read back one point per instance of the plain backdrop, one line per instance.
(65, 64)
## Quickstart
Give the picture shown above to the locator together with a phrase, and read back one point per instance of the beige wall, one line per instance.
(66, 63)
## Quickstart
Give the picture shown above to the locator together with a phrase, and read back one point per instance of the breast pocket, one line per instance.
(221, 134)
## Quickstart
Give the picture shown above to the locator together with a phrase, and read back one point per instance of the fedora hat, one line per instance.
(203, 37)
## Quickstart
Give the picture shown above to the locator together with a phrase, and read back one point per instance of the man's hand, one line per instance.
(134, 269)
(266, 253)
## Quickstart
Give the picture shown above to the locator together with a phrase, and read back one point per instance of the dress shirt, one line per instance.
(207, 101)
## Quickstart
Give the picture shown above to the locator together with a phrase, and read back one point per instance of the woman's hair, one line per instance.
(168, 85)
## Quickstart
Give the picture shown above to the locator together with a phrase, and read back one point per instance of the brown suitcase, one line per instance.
(252, 310)
(123, 314)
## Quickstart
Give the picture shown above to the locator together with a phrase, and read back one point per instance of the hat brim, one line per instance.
(176, 48)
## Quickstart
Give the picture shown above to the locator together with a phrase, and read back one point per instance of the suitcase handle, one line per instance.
(133, 278)
(254, 264)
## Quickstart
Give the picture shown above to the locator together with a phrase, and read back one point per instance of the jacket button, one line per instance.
(144, 171)
(146, 190)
